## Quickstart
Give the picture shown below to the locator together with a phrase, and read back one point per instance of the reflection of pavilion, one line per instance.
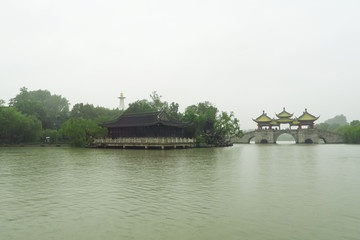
(306, 119)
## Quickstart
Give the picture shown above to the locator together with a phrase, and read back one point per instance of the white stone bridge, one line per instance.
(300, 136)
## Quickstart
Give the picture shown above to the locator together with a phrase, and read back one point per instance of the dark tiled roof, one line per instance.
(144, 119)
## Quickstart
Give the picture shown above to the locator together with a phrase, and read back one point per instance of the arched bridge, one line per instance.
(300, 136)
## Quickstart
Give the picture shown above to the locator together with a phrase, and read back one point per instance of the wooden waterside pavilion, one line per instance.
(146, 130)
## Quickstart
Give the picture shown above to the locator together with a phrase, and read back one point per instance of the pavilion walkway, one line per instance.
(143, 142)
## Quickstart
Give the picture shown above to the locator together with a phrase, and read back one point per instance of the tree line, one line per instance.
(39, 116)
(339, 124)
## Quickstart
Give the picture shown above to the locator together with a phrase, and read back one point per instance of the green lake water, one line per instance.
(242, 192)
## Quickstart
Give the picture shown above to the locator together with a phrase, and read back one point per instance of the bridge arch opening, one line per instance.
(252, 140)
(263, 141)
(285, 138)
(321, 140)
(309, 141)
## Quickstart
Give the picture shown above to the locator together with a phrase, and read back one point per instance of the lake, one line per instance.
(282, 191)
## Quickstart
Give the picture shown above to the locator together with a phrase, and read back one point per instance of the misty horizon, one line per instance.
(242, 56)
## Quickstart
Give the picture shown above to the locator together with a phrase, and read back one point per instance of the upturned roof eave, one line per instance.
(284, 114)
(284, 120)
(261, 121)
(165, 123)
(310, 117)
(288, 115)
(308, 120)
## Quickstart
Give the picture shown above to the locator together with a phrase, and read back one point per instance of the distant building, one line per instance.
(138, 125)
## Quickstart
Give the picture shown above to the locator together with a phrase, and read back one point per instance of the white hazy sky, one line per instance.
(243, 56)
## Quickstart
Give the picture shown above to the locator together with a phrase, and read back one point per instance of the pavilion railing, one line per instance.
(145, 141)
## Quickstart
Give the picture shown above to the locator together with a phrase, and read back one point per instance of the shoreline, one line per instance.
(34, 145)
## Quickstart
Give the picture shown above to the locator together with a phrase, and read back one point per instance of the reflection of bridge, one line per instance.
(300, 136)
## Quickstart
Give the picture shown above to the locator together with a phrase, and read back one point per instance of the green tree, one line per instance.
(336, 122)
(355, 123)
(351, 133)
(156, 102)
(171, 109)
(209, 126)
(333, 124)
(98, 114)
(225, 128)
(227, 125)
(85, 111)
(202, 117)
(323, 126)
(32, 107)
(140, 106)
(105, 113)
(50, 133)
(2, 103)
(16, 127)
(80, 131)
(51, 110)
(339, 119)
(155, 105)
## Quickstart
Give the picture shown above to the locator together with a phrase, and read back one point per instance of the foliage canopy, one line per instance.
(81, 131)
(97, 114)
(340, 125)
(39, 114)
(16, 127)
(51, 110)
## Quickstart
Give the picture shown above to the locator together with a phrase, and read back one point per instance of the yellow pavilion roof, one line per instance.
(284, 114)
(295, 122)
(284, 120)
(274, 123)
(263, 118)
(307, 117)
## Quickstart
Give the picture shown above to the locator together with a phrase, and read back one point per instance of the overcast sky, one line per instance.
(242, 56)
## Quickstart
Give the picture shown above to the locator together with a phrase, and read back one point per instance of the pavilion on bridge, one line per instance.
(305, 120)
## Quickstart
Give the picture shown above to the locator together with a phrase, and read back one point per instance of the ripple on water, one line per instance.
(247, 192)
